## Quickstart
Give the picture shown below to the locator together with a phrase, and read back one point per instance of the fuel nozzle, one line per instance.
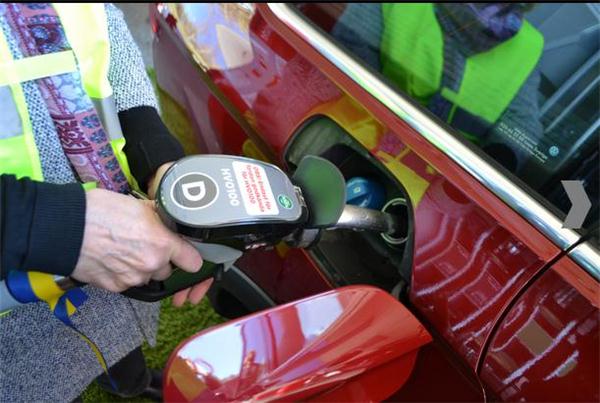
(325, 192)
(360, 218)
(365, 197)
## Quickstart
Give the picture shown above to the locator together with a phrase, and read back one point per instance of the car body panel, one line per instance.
(297, 90)
(473, 254)
(437, 379)
(547, 346)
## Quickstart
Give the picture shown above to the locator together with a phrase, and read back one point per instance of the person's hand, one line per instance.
(125, 244)
(193, 294)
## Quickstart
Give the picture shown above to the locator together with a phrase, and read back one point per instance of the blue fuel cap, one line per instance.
(365, 192)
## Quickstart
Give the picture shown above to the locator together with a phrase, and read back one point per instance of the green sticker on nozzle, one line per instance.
(285, 201)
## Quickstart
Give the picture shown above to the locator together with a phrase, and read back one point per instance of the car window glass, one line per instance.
(519, 81)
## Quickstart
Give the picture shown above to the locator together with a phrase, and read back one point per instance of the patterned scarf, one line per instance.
(38, 29)
(479, 27)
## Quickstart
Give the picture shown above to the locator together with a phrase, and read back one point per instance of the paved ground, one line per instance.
(136, 15)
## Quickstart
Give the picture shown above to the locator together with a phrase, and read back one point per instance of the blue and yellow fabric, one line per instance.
(27, 287)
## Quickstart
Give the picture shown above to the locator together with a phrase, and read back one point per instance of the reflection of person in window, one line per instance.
(472, 65)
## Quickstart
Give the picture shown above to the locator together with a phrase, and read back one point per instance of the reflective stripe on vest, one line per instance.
(87, 32)
(412, 57)
(86, 29)
(18, 153)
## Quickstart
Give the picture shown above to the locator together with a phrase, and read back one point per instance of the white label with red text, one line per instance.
(255, 189)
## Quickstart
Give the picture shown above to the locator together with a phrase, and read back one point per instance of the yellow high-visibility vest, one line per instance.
(86, 30)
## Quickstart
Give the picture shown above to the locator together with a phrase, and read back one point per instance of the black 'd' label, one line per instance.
(194, 191)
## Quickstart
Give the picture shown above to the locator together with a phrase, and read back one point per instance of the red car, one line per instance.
(488, 295)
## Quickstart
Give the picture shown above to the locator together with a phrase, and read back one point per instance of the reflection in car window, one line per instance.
(520, 81)
(216, 34)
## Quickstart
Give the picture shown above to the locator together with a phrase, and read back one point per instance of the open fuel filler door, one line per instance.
(355, 343)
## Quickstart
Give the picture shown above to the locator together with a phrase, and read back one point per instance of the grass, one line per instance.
(175, 324)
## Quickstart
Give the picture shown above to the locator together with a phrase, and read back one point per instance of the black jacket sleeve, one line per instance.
(149, 144)
(41, 225)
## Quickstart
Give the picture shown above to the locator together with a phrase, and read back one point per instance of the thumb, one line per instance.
(185, 256)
